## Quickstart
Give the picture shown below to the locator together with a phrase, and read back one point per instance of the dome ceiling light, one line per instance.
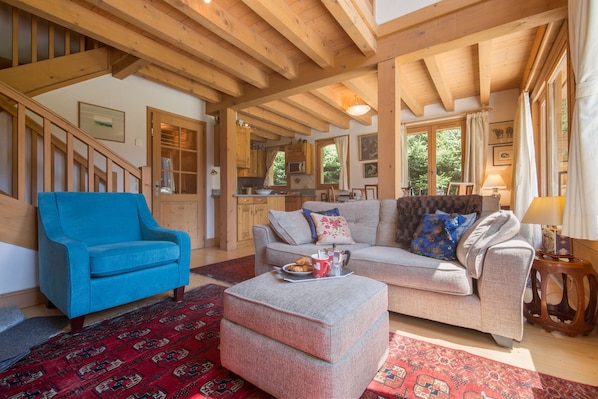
(358, 108)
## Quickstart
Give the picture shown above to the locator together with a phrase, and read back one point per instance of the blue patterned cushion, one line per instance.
(465, 221)
(436, 236)
(307, 213)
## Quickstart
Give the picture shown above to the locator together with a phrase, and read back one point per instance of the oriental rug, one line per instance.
(170, 350)
(231, 271)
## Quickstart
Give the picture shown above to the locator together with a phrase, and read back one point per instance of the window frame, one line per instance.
(318, 161)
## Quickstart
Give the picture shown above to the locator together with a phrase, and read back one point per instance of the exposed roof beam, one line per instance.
(297, 115)
(350, 20)
(440, 82)
(124, 65)
(367, 91)
(332, 97)
(284, 20)
(85, 21)
(182, 83)
(484, 65)
(545, 37)
(142, 13)
(219, 21)
(319, 109)
(275, 119)
(366, 11)
(409, 98)
(273, 132)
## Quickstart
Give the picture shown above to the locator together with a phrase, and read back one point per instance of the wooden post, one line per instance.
(228, 184)
(389, 130)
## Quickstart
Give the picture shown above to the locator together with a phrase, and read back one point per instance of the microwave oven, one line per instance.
(296, 167)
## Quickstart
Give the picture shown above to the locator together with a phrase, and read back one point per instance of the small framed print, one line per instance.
(370, 169)
(368, 147)
(502, 155)
(501, 133)
(101, 122)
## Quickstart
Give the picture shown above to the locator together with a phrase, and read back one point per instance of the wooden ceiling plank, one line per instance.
(87, 22)
(438, 76)
(284, 20)
(182, 83)
(143, 14)
(288, 111)
(366, 91)
(276, 119)
(333, 98)
(319, 109)
(125, 65)
(353, 24)
(484, 65)
(409, 98)
(222, 23)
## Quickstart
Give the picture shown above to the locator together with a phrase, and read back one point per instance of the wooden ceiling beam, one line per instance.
(438, 76)
(269, 130)
(545, 37)
(333, 98)
(288, 111)
(178, 82)
(276, 119)
(89, 23)
(124, 65)
(365, 9)
(366, 90)
(222, 23)
(409, 98)
(287, 23)
(319, 109)
(484, 67)
(353, 24)
(143, 14)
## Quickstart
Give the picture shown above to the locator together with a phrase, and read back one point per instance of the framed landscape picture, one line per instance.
(102, 123)
(368, 147)
(501, 133)
(502, 155)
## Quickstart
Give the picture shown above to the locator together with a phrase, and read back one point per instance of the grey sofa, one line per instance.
(483, 289)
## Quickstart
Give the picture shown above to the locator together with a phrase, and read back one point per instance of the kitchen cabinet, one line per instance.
(295, 202)
(254, 210)
(301, 152)
(257, 165)
(243, 152)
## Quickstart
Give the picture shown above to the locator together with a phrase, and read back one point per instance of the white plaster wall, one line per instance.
(18, 268)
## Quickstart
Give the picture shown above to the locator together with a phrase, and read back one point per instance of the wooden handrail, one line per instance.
(58, 136)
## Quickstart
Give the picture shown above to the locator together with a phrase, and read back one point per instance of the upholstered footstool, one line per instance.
(317, 339)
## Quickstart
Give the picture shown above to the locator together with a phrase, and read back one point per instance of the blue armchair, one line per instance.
(100, 250)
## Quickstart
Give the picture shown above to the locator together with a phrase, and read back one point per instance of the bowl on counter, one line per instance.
(263, 191)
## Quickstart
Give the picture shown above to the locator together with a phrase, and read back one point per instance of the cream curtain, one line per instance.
(580, 218)
(525, 176)
(270, 156)
(476, 140)
(342, 149)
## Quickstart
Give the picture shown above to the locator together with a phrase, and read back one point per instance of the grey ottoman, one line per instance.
(320, 339)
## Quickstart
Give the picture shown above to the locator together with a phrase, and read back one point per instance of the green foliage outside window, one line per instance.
(331, 166)
(278, 170)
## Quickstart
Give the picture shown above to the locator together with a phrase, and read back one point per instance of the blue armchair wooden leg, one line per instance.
(179, 293)
(77, 324)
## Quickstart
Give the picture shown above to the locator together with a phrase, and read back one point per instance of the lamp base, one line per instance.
(495, 194)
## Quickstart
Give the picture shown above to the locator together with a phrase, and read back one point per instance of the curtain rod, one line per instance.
(443, 118)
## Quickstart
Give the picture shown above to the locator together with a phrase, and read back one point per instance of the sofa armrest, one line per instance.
(501, 287)
(262, 236)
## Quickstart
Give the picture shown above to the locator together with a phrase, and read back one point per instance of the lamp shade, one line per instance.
(494, 180)
(545, 210)
(358, 108)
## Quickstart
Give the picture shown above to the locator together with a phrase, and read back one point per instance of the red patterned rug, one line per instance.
(231, 271)
(170, 350)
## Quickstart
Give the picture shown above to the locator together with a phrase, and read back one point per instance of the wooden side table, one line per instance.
(579, 319)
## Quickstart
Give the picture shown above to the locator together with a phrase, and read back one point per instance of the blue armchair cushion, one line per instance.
(111, 259)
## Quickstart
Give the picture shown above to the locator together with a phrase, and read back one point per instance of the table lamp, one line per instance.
(494, 181)
(548, 212)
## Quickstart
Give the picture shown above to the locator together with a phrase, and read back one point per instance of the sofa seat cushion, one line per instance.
(292, 314)
(396, 266)
(111, 259)
(279, 253)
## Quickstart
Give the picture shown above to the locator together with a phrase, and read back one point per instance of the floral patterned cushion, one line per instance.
(332, 229)
(307, 213)
(436, 236)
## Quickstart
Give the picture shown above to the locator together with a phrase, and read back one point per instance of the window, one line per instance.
(277, 174)
(434, 156)
(328, 165)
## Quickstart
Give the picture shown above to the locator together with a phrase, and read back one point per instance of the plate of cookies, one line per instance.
(301, 267)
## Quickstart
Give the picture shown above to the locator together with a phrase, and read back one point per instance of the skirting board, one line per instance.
(22, 299)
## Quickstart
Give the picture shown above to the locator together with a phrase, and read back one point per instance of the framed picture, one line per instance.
(562, 183)
(370, 169)
(501, 133)
(368, 147)
(371, 191)
(102, 123)
(502, 155)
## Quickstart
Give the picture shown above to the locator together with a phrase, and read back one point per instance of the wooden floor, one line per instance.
(551, 353)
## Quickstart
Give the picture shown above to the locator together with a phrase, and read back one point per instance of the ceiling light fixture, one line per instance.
(207, 1)
(358, 108)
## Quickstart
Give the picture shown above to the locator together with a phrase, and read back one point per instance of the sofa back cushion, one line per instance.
(99, 218)
(361, 216)
(291, 227)
(490, 230)
(411, 209)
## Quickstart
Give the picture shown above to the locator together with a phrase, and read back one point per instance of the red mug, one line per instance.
(320, 265)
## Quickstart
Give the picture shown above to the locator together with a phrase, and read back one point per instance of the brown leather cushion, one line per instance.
(412, 208)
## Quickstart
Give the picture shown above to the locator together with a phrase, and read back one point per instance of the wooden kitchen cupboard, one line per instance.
(257, 165)
(254, 210)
